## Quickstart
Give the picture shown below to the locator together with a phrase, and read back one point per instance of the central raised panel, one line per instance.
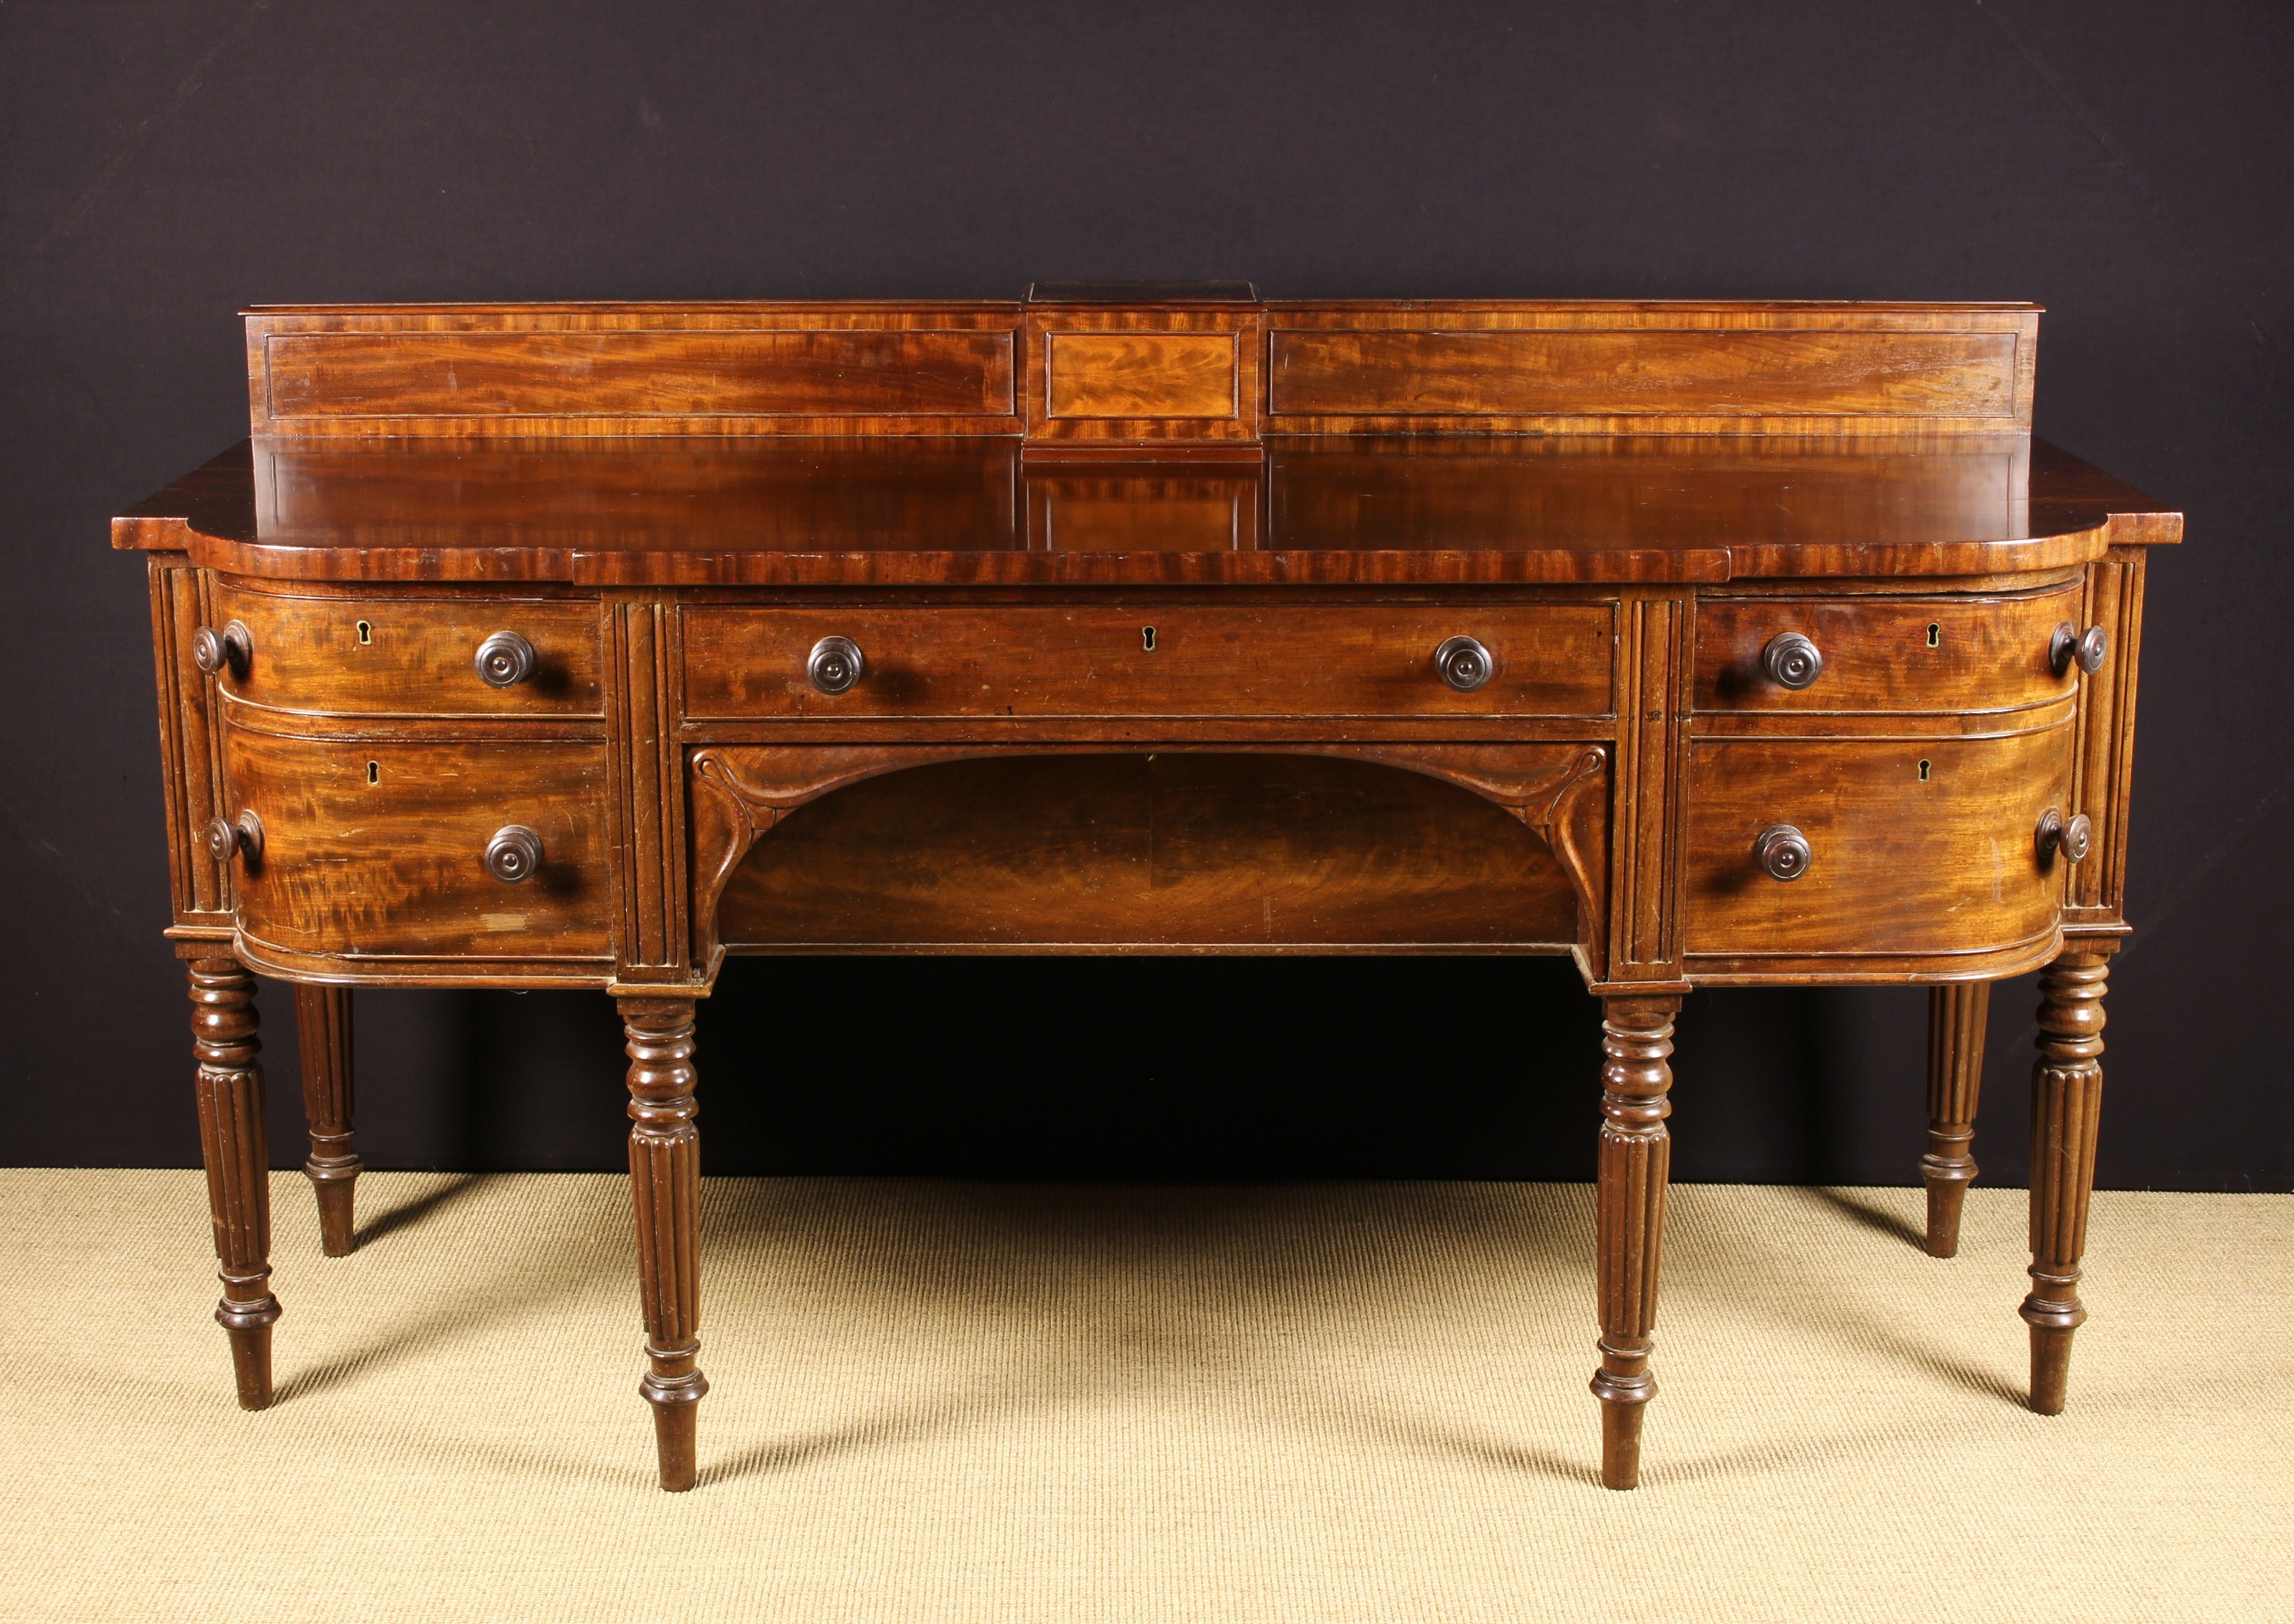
(1147, 853)
(1141, 375)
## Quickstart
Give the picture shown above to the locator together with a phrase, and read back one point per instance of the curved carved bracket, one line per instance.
(1559, 791)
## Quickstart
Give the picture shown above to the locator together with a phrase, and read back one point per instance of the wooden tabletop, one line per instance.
(928, 511)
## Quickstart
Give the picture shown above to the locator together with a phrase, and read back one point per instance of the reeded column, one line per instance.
(2066, 1104)
(234, 1145)
(665, 1185)
(1957, 1012)
(1636, 1158)
(323, 1029)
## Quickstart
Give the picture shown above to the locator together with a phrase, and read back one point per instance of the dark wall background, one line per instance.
(2126, 164)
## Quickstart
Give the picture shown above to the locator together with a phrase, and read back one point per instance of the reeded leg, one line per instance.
(2066, 1104)
(665, 1182)
(235, 1146)
(1636, 1156)
(1956, 1015)
(322, 1025)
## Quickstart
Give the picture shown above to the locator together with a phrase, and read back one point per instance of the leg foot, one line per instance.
(234, 1145)
(322, 1028)
(665, 1190)
(2066, 1101)
(1636, 1158)
(1956, 1016)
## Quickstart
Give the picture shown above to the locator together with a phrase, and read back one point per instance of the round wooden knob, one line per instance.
(230, 649)
(2074, 836)
(513, 854)
(505, 660)
(227, 839)
(2090, 649)
(834, 665)
(1792, 660)
(1465, 665)
(1783, 851)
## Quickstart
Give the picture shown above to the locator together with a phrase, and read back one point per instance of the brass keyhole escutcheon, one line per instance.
(1147, 638)
(1924, 771)
(374, 774)
(1935, 634)
(366, 632)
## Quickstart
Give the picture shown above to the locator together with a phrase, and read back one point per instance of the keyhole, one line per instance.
(1935, 635)
(366, 632)
(1147, 638)
(1923, 772)
(374, 772)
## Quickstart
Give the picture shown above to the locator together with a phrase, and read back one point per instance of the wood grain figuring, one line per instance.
(1988, 652)
(1177, 381)
(1957, 1012)
(1140, 375)
(1169, 850)
(1942, 865)
(1636, 1161)
(1956, 378)
(665, 1193)
(1076, 661)
(323, 1033)
(350, 655)
(685, 379)
(2066, 1107)
(235, 1146)
(395, 867)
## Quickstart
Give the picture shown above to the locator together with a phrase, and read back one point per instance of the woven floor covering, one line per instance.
(1322, 1402)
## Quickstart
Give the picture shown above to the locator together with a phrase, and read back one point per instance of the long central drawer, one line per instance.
(1056, 660)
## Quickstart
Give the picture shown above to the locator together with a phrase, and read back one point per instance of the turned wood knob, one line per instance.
(505, 660)
(834, 665)
(1783, 851)
(227, 839)
(214, 652)
(2090, 649)
(2073, 837)
(513, 854)
(1792, 661)
(1464, 663)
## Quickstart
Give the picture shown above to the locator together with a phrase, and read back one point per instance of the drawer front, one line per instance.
(1060, 661)
(416, 656)
(1899, 863)
(380, 849)
(1903, 654)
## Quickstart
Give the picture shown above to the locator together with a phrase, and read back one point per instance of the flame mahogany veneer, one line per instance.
(1705, 643)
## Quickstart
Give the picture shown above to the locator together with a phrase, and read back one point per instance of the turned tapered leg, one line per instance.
(322, 1028)
(2066, 1103)
(665, 1182)
(1956, 1014)
(235, 1146)
(1636, 1156)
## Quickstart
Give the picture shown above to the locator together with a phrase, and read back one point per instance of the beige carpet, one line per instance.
(956, 1402)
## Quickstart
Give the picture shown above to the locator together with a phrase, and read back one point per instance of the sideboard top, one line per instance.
(810, 511)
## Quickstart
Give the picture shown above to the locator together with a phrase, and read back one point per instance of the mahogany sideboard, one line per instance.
(1709, 644)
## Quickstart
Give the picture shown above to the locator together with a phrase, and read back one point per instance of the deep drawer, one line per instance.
(1904, 654)
(1900, 861)
(409, 656)
(380, 849)
(1058, 660)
